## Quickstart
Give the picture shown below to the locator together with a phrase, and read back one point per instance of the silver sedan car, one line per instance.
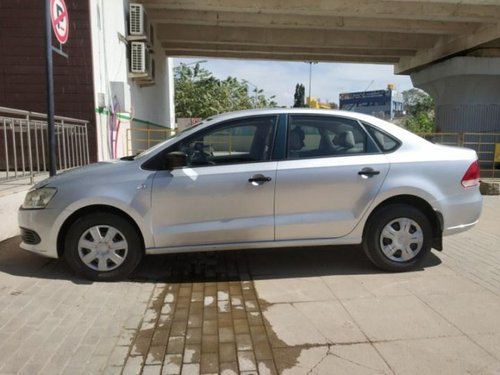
(259, 179)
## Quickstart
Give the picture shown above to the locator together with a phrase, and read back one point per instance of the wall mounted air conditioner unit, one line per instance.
(142, 65)
(139, 57)
(139, 28)
(138, 21)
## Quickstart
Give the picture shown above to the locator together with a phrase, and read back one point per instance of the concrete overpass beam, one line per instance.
(466, 91)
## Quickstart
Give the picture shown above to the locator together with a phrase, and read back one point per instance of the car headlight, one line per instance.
(38, 198)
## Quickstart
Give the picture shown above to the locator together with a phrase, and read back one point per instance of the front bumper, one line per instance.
(46, 223)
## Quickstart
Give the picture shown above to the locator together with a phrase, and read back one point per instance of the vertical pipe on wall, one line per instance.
(169, 76)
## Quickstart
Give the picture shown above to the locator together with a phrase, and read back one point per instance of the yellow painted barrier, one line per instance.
(496, 158)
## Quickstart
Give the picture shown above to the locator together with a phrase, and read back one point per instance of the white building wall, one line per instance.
(117, 97)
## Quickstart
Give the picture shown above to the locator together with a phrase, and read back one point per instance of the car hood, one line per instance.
(85, 173)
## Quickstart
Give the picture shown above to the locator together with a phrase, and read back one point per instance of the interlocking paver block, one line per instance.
(225, 319)
(229, 368)
(210, 313)
(160, 338)
(246, 361)
(178, 329)
(241, 326)
(209, 363)
(226, 334)
(133, 366)
(175, 345)
(266, 367)
(244, 341)
(192, 353)
(172, 364)
(210, 344)
(151, 370)
(193, 336)
(195, 320)
(210, 327)
(190, 369)
(181, 314)
(155, 355)
(227, 352)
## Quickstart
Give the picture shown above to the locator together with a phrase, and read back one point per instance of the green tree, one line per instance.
(299, 98)
(420, 112)
(199, 94)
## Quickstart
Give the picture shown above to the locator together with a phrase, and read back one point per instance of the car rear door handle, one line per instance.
(259, 179)
(368, 172)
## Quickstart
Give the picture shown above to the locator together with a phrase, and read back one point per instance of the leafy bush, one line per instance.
(199, 94)
(420, 111)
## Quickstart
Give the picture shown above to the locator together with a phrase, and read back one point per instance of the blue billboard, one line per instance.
(380, 103)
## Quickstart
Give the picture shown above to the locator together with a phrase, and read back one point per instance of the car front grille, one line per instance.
(30, 237)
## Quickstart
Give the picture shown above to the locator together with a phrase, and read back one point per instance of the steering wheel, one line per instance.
(198, 156)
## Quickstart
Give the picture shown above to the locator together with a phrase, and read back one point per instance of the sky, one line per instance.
(327, 79)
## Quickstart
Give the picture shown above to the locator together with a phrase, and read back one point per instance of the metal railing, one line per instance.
(483, 143)
(24, 143)
(139, 139)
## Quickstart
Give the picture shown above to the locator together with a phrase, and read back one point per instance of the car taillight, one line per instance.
(471, 177)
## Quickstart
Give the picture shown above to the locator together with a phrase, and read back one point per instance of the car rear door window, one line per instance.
(325, 136)
(384, 141)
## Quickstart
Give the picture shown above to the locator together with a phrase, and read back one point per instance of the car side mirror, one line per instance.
(176, 159)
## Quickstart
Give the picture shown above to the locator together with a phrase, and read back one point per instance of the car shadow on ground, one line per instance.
(18, 262)
(211, 266)
(261, 264)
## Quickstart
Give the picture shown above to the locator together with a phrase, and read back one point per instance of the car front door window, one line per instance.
(244, 141)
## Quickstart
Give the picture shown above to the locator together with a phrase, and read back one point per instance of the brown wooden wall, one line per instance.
(22, 62)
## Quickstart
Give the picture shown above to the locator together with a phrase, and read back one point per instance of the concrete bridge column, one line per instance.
(466, 91)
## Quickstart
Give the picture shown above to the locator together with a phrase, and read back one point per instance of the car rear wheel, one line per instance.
(397, 237)
(103, 247)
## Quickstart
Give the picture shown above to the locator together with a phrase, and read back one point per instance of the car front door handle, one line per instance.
(259, 179)
(368, 172)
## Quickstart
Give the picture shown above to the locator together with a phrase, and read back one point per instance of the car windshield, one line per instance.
(160, 145)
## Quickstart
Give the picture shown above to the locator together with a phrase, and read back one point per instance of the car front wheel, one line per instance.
(102, 247)
(397, 237)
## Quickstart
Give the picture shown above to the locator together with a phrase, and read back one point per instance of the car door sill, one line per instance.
(255, 245)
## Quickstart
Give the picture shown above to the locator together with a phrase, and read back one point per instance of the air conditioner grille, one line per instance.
(136, 19)
(138, 57)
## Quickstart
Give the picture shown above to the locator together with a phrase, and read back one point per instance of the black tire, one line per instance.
(116, 264)
(408, 251)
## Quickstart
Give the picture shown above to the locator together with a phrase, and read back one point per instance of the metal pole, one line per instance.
(50, 91)
(310, 75)
(30, 151)
(6, 146)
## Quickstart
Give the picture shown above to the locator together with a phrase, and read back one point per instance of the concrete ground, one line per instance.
(292, 311)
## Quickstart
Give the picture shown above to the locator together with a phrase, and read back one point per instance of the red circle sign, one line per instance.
(60, 20)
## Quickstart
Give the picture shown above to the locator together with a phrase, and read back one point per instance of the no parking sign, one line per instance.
(60, 20)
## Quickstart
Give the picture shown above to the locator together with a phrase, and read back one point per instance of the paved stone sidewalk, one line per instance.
(476, 253)
(204, 319)
(53, 323)
(293, 311)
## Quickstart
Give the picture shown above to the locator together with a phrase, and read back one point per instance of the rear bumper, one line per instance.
(461, 213)
(459, 228)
